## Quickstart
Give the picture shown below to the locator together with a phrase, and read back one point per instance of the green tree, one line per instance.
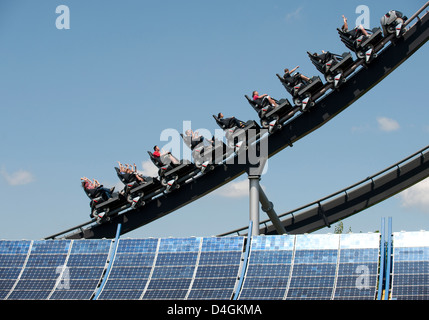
(339, 227)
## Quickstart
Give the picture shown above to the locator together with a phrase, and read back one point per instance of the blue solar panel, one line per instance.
(164, 284)
(210, 294)
(358, 267)
(87, 260)
(175, 271)
(131, 269)
(174, 268)
(126, 284)
(218, 269)
(314, 267)
(51, 247)
(13, 254)
(173, 245)
(134, 260)
(91, 247)
(410, 272)
(213, 283)
(29, 295)
(171, 294)
(315, 293)
(11, 260)
(83, 271)
(262, 294)
(9, 273)
(41, 273)
(14, 247)
(72, 294)
(222, 244)
(41, 270)
(121, 294)
(46, 260)
(136, 246)
(60, 269)
(219, 258)
(268, 269)
(176, 259)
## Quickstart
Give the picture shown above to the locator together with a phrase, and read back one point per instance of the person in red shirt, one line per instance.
(260, 98)
(157, 154)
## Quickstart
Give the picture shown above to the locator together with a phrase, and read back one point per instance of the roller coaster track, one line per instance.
(353, 199)
(361, 80)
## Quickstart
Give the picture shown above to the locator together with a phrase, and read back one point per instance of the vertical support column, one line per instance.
(254, 173)
(382, 261)
(389, 259)
(254, 203)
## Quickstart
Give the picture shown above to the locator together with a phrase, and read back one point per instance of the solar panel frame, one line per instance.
(314, 267)
(410, 267)
(358, 266)
(174, 269)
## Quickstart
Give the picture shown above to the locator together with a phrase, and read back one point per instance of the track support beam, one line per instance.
(268, 207)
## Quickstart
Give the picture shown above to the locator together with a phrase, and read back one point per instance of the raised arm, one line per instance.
(293, 70)
(346, 26)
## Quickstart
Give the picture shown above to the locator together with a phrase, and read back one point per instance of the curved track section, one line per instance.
(329, 105)
(353, 199)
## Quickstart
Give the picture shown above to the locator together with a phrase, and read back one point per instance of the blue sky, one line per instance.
(75, 101)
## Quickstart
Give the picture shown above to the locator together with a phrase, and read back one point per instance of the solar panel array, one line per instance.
(291, 267)
(358, 267)
(306, 267)
(174, 268)
(51, 269)
(410, 271)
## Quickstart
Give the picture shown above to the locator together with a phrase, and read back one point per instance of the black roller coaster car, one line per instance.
(393, 23)
(236, 136)
(102, 207)
(207, 155)
(361, 44)
(136, 192)
(271, 118)
(332, 66)
(173, 175)
(303, 92)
